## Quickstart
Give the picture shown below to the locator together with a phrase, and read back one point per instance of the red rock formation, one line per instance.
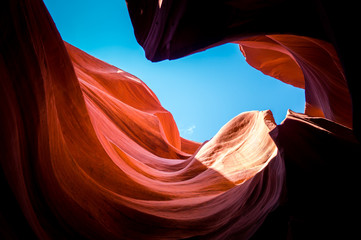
(296, 60)
(176, 29)
(89, 152)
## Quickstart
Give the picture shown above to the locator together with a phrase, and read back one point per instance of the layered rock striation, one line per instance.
(88, 151)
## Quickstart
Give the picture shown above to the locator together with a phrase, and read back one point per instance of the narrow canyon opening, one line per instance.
(203, 91)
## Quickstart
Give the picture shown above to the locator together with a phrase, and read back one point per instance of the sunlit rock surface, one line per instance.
(175, 29)
(306, 63)
(88, 152)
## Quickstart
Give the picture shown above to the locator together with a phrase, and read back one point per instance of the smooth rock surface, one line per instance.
(88, 151)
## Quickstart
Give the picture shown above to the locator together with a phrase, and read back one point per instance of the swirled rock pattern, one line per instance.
(88, 151)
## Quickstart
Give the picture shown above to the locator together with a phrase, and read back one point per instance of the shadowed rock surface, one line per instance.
(88, 151)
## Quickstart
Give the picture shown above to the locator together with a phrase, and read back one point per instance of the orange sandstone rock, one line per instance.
(88, 152)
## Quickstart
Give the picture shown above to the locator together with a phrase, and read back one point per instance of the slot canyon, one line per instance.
(89, 152)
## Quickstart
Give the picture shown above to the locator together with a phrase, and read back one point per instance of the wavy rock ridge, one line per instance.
(89, 152)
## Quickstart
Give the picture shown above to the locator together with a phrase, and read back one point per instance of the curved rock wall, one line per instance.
(88, 152)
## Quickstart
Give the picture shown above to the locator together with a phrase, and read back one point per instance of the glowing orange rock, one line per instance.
(193, 194)
(297, 61)
(89, 152)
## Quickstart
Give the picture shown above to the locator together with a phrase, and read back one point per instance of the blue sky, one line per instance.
(202, 91)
